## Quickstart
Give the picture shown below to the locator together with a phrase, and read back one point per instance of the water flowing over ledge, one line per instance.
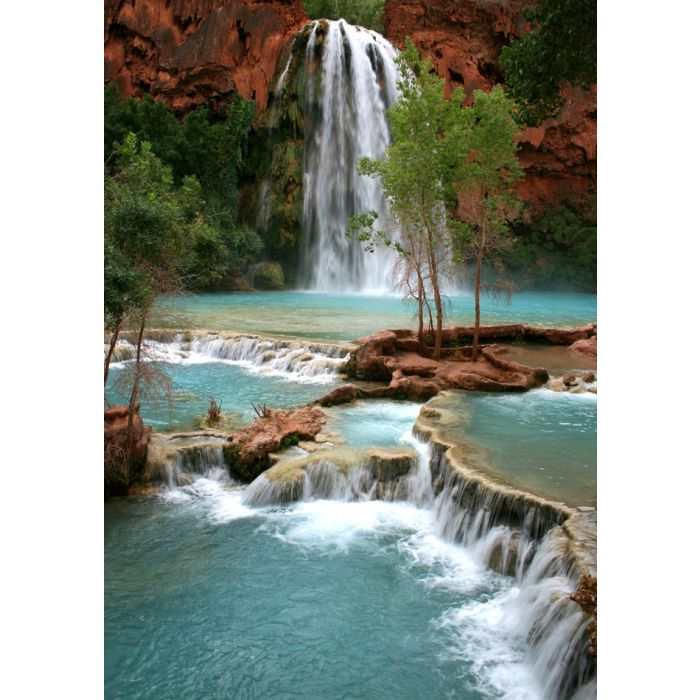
(547, 547)
(296, 360)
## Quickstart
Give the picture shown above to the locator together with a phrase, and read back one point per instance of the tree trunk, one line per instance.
(421, 302)
(438, 304)
(133, 399)
(112, 343)
(477, 300)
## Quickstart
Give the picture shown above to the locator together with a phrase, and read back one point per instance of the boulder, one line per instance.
(346, 393)
(267, 275)
(247, 450)
(586, 346)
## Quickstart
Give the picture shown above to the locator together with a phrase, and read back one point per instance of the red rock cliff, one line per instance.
(464, 39)
(197, 52)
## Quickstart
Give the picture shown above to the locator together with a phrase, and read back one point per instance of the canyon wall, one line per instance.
(197, 52)
(464, 39)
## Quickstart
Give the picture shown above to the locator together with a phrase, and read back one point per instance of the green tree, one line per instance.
(156, 241)
(486, 179)
(560, 48)
(198, 148)
(366, 13)
(417, 179)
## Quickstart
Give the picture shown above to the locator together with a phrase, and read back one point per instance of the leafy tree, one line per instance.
(560, 48)
(156, 241)
(367, 13)
(199, 148)
(487, 179)
(417, 179)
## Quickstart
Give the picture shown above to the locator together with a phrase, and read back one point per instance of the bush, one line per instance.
(558, 251)
(367, 13)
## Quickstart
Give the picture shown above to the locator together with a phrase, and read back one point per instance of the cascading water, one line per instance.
(351, 81)
(500, 529)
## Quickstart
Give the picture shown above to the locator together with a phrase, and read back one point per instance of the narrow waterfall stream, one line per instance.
(349, 87)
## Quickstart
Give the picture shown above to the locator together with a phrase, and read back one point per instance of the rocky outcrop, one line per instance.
(464, 39)
(197, 52)
(586, 346)
(247, 450)
(339, 473)
(123, 462)
(587, 597)
(393, 355)
(347, 393)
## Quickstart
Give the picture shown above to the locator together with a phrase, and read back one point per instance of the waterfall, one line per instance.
(300, 361)
(351, 80)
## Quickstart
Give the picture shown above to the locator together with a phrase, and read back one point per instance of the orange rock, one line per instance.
(464, 38)
(197, 52)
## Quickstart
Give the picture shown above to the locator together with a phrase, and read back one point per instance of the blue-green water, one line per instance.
(209, 599)
(236, 387)
(541, 440)
(374, 422)
(347, 317)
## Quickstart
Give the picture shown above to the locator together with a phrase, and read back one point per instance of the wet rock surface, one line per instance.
(587, 597)
(248, 449)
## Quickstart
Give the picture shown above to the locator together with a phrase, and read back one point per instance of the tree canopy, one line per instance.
(367, 13)
(199, 146)
(560, 48)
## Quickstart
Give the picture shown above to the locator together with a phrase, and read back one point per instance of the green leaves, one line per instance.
(367, 13)
(157, 238)
(560, 49)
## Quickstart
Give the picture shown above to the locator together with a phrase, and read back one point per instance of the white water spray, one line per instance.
(349, 87)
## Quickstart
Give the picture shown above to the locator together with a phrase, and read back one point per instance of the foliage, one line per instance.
(560, 48)
(487, 179)
(367, 13)
(155, 231)
(205, 157)
(558, 251)
(417, 179)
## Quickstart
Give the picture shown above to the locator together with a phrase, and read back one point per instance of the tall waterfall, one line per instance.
(349, 87)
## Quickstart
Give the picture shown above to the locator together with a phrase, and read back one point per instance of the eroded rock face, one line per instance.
(464, 39)
(121, 470)
(247, 450)
(197, 52)
(587, 597)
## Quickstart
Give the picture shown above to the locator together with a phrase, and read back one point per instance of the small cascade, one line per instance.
(350, 82)
(297, 360)
(343, 474)
(553, 624)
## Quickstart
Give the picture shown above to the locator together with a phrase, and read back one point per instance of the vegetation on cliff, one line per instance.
(366, 13)
(211, 150)
(560, 49)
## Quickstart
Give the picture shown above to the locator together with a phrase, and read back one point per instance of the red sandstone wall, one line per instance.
(464, 39)
(197, 52)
